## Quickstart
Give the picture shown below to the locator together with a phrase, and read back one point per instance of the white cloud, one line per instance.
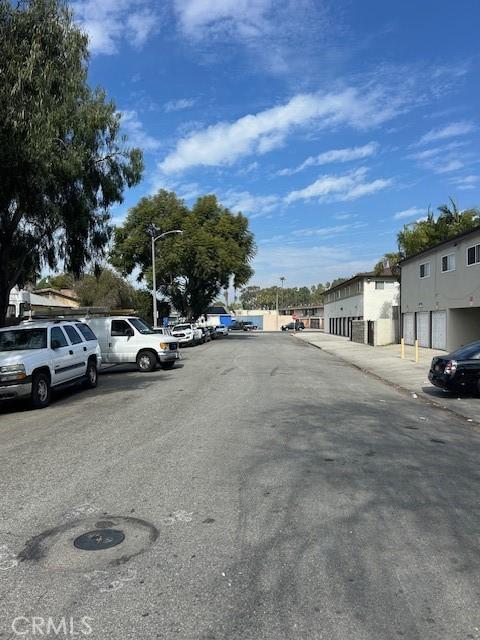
(179, 105)
(223, 143)
(412, 213)
(307, 265)
(250, 204)
(270, 31)
(334, 155)
(246, 18)
(339, 188)
(466, 182)
(110, 22)
(137, 136)
(449, 131)
(448, 165)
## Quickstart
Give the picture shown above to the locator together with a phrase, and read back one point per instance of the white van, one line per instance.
(125, 339)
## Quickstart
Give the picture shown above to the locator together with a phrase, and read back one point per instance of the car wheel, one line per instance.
(41, 391)
(91, 375)
(167, 365)
(146, 361)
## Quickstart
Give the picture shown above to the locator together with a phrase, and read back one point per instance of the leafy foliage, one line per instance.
(421, 235)
(106, 289)
(426, 233)
(192, 269)
(62, 161)
(254, 297)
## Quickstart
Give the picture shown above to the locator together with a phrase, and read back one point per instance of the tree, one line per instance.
(106, 289)
(60, 281)
(62, 162)
(426, 233)
(214, 251)
(389, 261)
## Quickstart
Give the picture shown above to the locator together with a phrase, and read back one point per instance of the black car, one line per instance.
(297, 326)
(458, 371)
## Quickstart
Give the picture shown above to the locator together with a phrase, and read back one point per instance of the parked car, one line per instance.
(207, 336)
(212, 332)
(291, 326)
(127, 339)
(242, 325)
(458, 371)
(36, 357)
(187, 334)
(221, 330)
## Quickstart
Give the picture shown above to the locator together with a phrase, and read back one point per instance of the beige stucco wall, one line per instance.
(371, 304)
(272, 321)
(463, 326)
(378, 303)
(384, 332)
(451, 290)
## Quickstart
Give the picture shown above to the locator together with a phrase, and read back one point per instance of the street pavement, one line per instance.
(386, 364)
(266, 490)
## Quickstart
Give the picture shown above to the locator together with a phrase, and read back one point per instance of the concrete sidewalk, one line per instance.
(385, 363)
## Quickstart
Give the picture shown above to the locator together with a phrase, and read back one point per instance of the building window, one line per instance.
(379, 284)
(425, 270)
(473, 255)
(359, 287)
(448, 263)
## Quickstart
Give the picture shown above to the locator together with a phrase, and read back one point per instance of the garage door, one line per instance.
(439, 330)
(423, 329)
(408, 331)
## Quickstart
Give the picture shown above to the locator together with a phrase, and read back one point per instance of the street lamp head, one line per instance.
(168, 233)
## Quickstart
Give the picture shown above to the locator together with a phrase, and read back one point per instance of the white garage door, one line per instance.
(423, 329)
(439, 330)
(408, 331)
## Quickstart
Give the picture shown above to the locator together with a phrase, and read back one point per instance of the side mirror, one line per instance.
(56, 344)
(129, 332)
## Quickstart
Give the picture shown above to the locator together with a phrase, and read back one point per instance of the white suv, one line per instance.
(187, 333)
(37, 356)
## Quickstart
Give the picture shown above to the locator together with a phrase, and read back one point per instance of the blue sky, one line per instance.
(329, 124)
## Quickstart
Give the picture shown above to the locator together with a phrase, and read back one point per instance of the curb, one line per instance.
(420, 394)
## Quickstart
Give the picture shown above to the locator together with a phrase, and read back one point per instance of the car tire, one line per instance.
(41, 390)
(167, 365)
(146, 361)
(91, 380)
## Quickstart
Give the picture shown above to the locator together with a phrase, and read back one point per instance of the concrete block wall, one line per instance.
(360, 331)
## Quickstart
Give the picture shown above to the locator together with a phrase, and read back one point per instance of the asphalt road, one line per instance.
(266, 491)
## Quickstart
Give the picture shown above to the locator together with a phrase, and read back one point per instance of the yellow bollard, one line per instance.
(416, 350)
(402, 349)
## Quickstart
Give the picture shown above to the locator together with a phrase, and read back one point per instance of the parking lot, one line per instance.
(265, 490)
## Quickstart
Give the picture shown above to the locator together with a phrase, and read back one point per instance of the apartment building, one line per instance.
(440, 293)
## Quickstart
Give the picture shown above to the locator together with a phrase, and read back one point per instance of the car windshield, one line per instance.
(181, 327)
(20, 339)
(141, 326)
(468, 352)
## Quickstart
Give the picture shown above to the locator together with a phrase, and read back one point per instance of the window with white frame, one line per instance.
(379, 284)
(448, 263)
(425, 270)
(473, 254)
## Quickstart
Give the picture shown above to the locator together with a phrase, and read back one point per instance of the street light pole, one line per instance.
(154, 273)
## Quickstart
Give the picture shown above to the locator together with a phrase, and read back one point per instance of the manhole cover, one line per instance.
(99, 539)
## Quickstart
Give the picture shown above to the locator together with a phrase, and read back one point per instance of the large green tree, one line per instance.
(214, 251)
(421, 235)
(62, 159)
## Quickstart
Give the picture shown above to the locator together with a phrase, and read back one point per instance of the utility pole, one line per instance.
(154, 273)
